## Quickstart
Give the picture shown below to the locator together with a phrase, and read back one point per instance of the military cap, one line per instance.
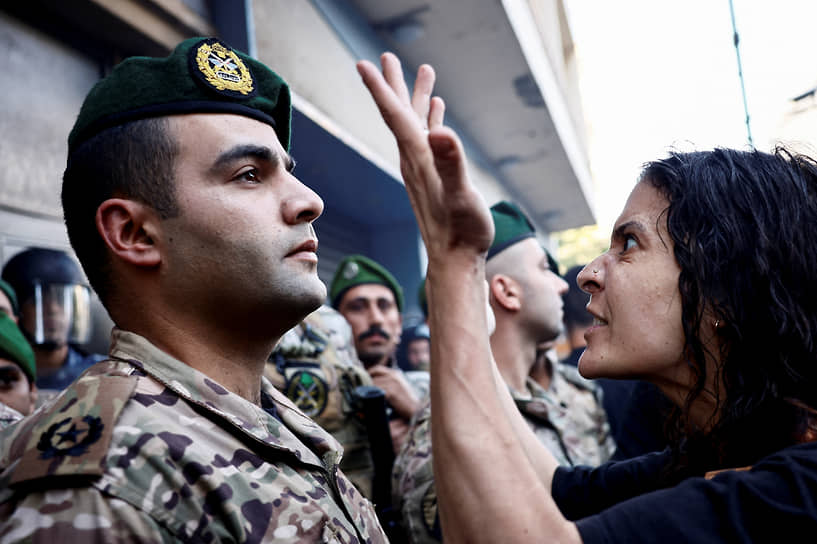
(15, 347)
(12, 296)
(202, 75)
(511, 226)
(356, 270)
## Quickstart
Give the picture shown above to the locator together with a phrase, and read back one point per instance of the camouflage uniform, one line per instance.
(144, 448)
(568, 419)
(316, 366)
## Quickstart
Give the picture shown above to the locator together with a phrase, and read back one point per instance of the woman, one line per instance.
(706, 292)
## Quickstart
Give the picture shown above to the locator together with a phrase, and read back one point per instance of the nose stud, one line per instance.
(595, 271)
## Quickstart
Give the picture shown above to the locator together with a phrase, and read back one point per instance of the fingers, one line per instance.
(449, 158)
(393, 73)
(436, 112)
(423, 85)
(397, 114)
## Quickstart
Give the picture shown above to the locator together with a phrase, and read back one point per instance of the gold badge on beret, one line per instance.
(222, 69)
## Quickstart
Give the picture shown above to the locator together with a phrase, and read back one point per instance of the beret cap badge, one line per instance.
(220, 68)
(350, 270)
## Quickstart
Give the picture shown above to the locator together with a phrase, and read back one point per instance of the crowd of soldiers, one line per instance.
(240, 399)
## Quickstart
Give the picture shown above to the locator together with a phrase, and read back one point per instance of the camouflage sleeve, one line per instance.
(76, 515)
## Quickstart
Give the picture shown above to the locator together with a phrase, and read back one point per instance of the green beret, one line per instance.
(15, 347)
(12, 296)
(511, 226)
(202, 75)
(358, 270)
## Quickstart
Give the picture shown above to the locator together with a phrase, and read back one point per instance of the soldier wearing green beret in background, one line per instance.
(181, 206)
(525, 293)
(371, 299)
(18, 393)
(8, 300)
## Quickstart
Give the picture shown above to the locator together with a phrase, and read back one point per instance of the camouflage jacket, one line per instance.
(568, 419)
(143, 448)
(316, 366)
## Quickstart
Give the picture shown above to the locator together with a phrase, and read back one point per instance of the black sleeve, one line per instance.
(776, 502)
(584, 491)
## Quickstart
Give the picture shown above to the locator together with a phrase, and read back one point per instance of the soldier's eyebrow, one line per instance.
(259, 152)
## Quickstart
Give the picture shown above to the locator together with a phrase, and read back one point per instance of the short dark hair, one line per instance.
(135, 160)
(575, 301)
(742, 225)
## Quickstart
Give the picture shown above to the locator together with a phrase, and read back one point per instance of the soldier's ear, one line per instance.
(505, 292)
(129, 230)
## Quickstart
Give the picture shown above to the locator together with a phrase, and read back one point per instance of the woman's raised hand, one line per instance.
(452, 215)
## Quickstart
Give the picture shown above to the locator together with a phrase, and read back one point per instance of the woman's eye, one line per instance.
(629, 242)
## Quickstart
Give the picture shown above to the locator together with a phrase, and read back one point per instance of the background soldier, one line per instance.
(370, 299)
(525, 296)
(18, 393)
(55, 313)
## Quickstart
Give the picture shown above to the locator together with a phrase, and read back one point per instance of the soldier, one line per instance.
(565, 414)
(18, 393)
(316, 366)
(371, 300)
(8, 300)
(180, 204)
(55, 313)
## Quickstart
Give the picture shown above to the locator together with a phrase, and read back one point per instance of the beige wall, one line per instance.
(44, 87)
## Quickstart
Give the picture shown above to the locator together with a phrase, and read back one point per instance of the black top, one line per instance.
(775, 501)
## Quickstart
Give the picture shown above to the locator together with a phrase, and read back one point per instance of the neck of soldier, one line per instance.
(514, 351)
(232, 354)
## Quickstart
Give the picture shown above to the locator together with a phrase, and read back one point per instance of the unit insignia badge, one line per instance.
(220, 68)
(74, 440)
(308, 391)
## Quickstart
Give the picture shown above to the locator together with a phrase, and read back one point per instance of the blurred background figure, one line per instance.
(18, 393)
(54, 313)
(371, 300)
(8, 300)
(414, 352)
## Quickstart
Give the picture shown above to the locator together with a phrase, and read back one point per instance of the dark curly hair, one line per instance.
(742, 224)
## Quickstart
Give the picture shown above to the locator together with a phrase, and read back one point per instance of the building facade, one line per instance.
(505, 69)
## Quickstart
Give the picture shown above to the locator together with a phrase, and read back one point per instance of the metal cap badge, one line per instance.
(221, 69)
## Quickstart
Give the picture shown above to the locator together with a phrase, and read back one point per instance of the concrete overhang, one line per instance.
(502, 94)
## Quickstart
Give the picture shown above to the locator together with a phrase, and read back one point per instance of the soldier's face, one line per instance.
(376, 325)
(542, 289)
(243, 246)
(418, 353)
(15, 389)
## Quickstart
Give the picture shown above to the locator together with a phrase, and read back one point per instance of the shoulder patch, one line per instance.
(72, 436)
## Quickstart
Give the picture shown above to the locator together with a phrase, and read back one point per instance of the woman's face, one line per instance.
(635, 301)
